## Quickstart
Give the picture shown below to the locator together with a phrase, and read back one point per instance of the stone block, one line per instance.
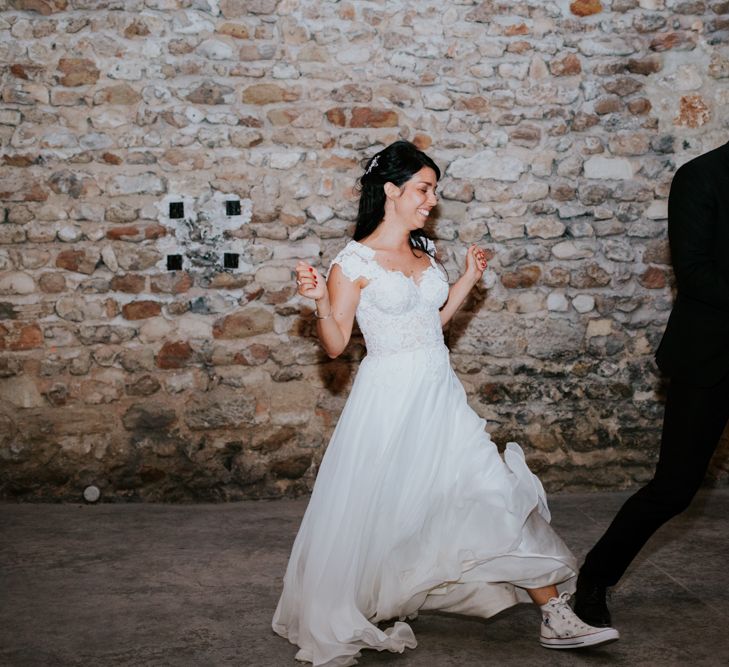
(79, 261)
(718, 68)
(17, 336)
(121, 93)
(599, 167)
(219, 410)
(601, 327)
(608, 104)
(371, 117)
(79, 309)
(503, 231)
(121, 213)
(10, 117)
(623, 86)
(43, 7)
(291, 403)
(557, 302)
(135, 258)
(26, 94)
(77, 72)
(254, 354)
(545, 228)
(216, 49)
(10, 367)
(570, 211)
(644, 66)
(487, 165)
(605, 46)
(100, 390)
(174, 354)
(583, 303)
(10, 233)
(248, 322)
(136, 233)
(146, 385)
(437, 101)
(284, 160)
(147, 183)
(585, 7)
(130, 283)
(51, 282)
(291, 467)
(472, 231)
(73, 184)
(139, 310)
(16, 282)
(174, 282)
(526, 276)
(16, 187)
(590, 275)
(155, 329)
(457, 191)
(657, 252)
(653, 278)
(245, 138)
(268, 93)
(555, 338)
(677, 40)
(274, 274)
(148, 417)
(354, 55)
(568, 66)
(40, 424)
(583, 121)
(235, 30)
(618, 251)
(573, 250)
(693, 112)
(639, 106)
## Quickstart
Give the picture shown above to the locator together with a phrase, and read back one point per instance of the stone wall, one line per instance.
(164, 163)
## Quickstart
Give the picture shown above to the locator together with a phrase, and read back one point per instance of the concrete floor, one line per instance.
(197, 585)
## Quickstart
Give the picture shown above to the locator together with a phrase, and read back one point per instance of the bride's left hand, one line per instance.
(475, 263)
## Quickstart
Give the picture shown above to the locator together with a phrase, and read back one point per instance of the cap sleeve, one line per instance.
(355, 261)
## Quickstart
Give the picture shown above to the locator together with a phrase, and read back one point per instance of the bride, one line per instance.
(413, 508)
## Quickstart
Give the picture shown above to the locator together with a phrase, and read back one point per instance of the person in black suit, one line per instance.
(694, 353)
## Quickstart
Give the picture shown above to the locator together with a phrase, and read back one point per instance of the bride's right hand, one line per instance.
(311, 284)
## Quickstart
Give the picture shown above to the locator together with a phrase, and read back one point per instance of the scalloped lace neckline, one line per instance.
(417, 282)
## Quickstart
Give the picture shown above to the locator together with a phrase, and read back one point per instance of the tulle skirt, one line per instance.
(413, 509)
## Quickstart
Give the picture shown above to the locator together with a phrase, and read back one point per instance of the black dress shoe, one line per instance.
(590, 603)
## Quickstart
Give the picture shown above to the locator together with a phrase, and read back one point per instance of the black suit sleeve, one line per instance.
(692, 220)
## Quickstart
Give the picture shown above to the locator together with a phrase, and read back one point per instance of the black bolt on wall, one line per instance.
(174, 262)
(177, 209)
(232, 207)
(230, 260)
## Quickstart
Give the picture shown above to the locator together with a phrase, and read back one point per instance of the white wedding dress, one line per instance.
(413, 508)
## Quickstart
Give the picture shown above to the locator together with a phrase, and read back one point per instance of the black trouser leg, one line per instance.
(693, 423)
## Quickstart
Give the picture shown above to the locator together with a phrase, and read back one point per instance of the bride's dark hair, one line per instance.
(395, 164)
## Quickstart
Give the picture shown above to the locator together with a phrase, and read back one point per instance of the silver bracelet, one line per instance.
(322, 317)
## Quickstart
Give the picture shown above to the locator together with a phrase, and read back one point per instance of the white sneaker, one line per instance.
(562, 628)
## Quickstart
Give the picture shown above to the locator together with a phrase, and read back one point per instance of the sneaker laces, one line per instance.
(560, 606)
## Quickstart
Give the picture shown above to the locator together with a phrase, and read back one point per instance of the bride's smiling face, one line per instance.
(415, 199)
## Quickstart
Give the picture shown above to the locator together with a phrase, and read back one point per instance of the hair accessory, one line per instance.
(373, 164)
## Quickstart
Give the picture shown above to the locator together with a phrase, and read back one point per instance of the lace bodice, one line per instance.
(395, 313)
